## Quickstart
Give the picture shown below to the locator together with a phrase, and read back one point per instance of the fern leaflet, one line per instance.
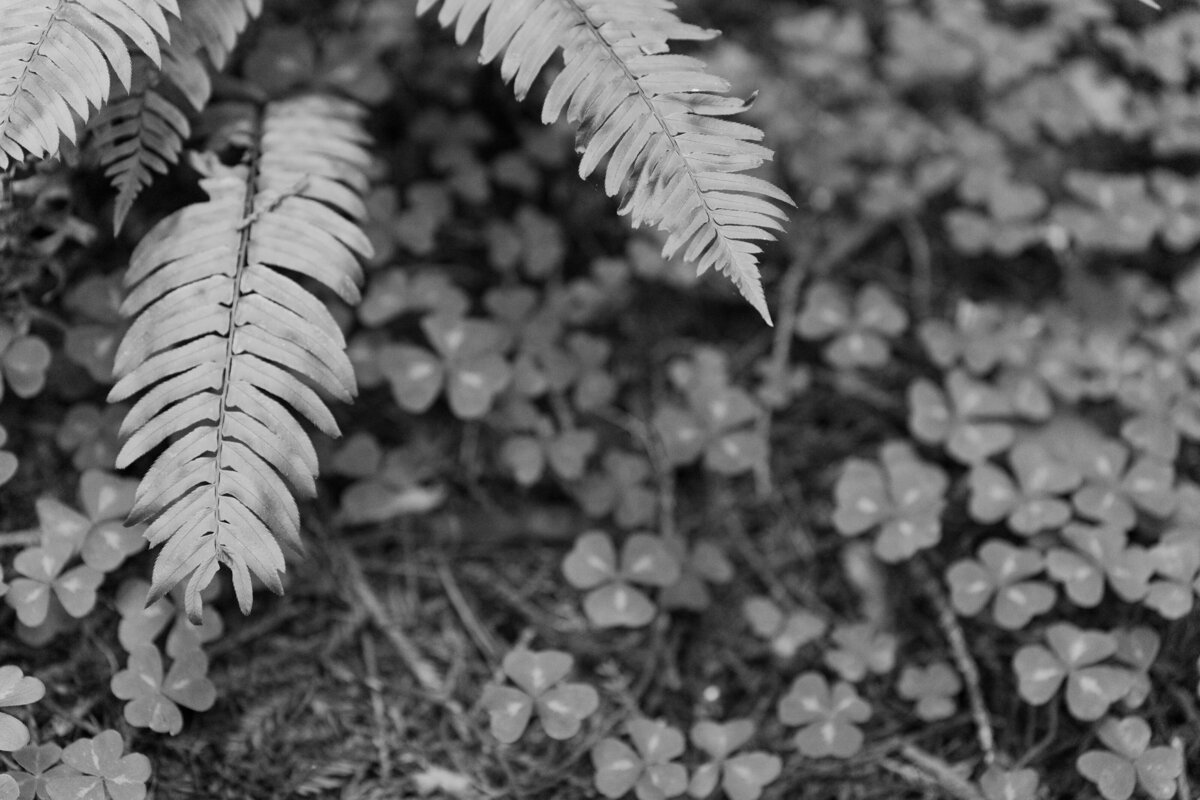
(143, 132)
(54, 60)
(223, 338)
(656, 116)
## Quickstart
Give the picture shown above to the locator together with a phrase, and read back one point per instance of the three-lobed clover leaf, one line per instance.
(742, 776)
(154, 699)
(933, 689)
(16, 689)
(1003, 784)
(561, 707)
(861, 649)
(983, 336)
(620, 489)
(1032, 502)
(1001, 576)
(969, 417)
(1130, 762)
(702, 564)
(903, 498)
(466, 363)
(648, 769)
(39, 764)
(1099, 555)
(859, 330)
(1114, 489)
(44, 583)
(718, 426)
(828, 716)
(1175, 574)
(99, 534)
(103, 772)
(613, 599)
(90, 435)
(1075, 657)
(786, 633)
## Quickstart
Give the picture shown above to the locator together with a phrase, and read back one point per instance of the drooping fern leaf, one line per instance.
(54, 60)
(656, 116)
(225, 339)
(142, 133)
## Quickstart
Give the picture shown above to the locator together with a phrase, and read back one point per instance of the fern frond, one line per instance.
(657, 118)
(224, 340)
(143, 132)
(54, 63)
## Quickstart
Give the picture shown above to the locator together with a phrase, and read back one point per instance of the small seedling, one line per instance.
(612, 598)
(859, 331)
(932, 688)
(861, 649)
(16, 689)
(154, 700)
(969, 418)
(1001, 576)
(829, 716)
(1033, 502)
(466, 362)
(742, 776)
(561, 707)
(787, 633)
(648, 768)
(1130, 762)
(903, 499)
(1074, 657)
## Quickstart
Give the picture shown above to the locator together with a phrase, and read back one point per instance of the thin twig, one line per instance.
(963, 659)
(25, 538)
(375, 686)
(922, 265)
(942, 773)
(479, 634)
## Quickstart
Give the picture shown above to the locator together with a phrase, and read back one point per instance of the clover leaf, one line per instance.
(39, 765)
(1099, 554)
(9, 789)
(44, 583)
(718, 425)
(1174, 563)
(8, 460)
(1117, 213)
(140, 624)
(903, 499)
(1002, 784)
(829, 717)
(16, 689)
(702, 564)
(982, 337)
(466, 363)
(1033, 502)
(786, 633)
(968, 417)
(561, 707)
(613, 600)
(1114, 489)
(103, 772)
(742, 776)
(859, 330)
(621, 489)
(390, 483)
(648, 768)
(24, 359)
(154, 700)
(99, 534)
(861, 649)
(932, 688)
(90, 435)
(1074, 657)
(537, 443)
(1000, 576)
(1129, 762)
(1137, 649)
